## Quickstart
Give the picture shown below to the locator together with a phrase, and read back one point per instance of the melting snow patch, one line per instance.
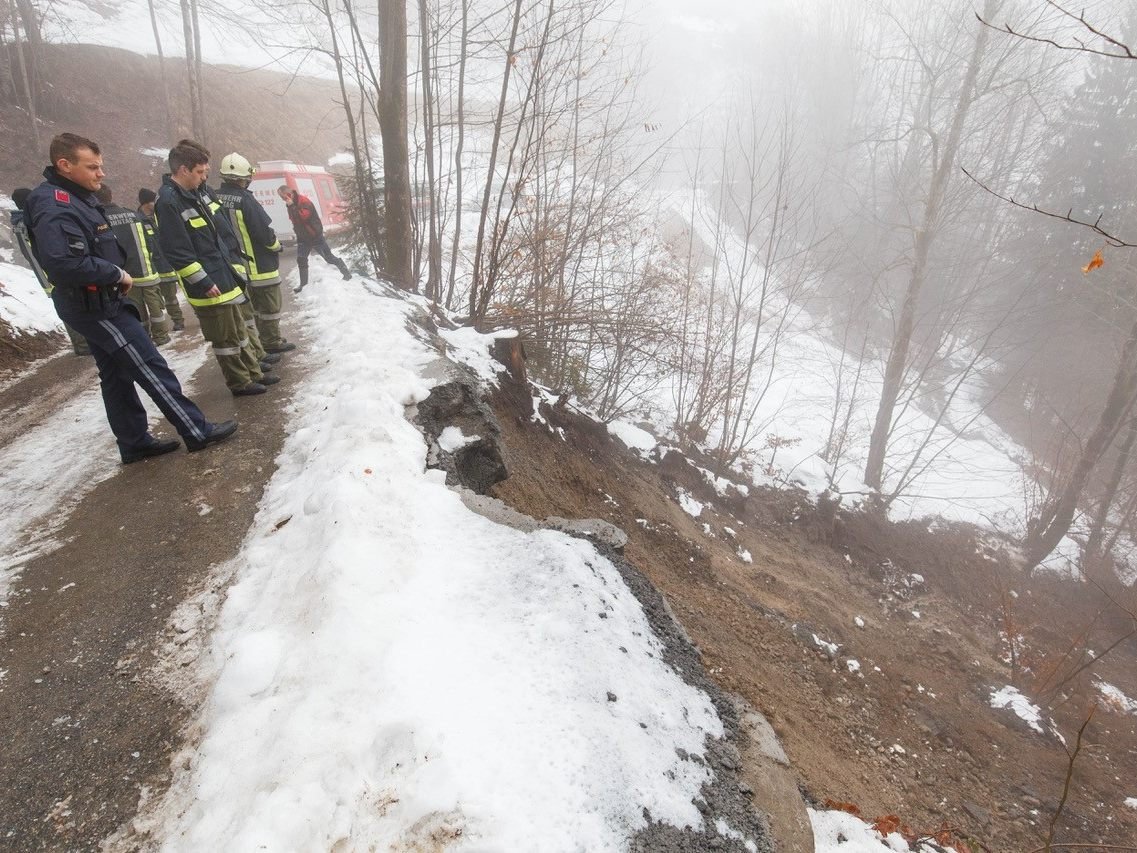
(690, 506)
(1116, 698)
(858, 621)
(23, 304)
(854, 666)
(1130, 802)
(825, 646)
(841, 832)
(726, 830)
(1024, 709)
(452, 440)
(471, 348)
(744, 555)
(639, 440)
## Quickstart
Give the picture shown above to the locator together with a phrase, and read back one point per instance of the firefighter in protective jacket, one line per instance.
(259, 249)
(137, 240)
(167, 278)
(192, 233)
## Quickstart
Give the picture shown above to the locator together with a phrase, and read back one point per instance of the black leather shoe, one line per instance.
(249, 390)
(157, 448)
(273, 356)
(268, 380)
(287, 346)
(266, 366)
(219, 432)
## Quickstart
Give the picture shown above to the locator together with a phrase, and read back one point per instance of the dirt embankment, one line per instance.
(894, 717)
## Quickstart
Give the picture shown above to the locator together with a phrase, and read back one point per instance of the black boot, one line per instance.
(302, 266)
(343, 269)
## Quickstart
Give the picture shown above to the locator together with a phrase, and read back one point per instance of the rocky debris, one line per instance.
(591, 528)
(595, 529)
(477, 462)
(770, 780)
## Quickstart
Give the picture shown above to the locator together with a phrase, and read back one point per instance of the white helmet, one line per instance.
(235, 166)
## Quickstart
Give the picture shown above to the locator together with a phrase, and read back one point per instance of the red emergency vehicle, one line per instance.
(312, 181)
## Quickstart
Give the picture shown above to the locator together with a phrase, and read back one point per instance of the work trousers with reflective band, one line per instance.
(169, 287)
(250, 321)
(267, 306)
(151, 305)
(126, 357)
(224, 327)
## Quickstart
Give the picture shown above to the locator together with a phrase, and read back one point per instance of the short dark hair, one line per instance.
(104, 194)
(20, 197)
(66, 146)
(146, 196)
(189, 154)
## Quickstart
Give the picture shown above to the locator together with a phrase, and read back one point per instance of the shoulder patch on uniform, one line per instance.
(63, 197)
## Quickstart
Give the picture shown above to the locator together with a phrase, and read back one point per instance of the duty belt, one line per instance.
(96, 297)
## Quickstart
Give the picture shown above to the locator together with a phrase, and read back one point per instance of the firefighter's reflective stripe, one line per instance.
(149, 274)
(229, 296)
(192, 274)
(197, 222)
(251, 271)
(227, 350)
(269, 316)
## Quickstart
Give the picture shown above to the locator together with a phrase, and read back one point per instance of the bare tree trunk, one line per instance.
(26, 72)
(1094, 543)
(463, 50)
(1054, 522)
(197, 123)
(396, 157)
(510, 58)
(926, 235)
(162, 69)
(434, 244)
(197, 65)
(362, 183)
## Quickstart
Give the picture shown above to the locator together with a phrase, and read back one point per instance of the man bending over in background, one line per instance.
(309, 233)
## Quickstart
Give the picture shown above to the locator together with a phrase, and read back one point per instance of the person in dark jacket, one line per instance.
(193, 233)
(76, 247)
(167, 278)
(137, 239)
(23, 240)
(309, 233)
(258, 247)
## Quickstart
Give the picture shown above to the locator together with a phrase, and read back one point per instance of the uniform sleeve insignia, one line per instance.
(63, 197)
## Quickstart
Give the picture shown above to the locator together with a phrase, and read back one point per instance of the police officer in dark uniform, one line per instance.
(76, 247)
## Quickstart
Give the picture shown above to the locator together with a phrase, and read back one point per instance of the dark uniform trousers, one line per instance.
(125, 355)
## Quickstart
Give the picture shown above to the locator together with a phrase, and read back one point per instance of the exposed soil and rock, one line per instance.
(876, 681)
